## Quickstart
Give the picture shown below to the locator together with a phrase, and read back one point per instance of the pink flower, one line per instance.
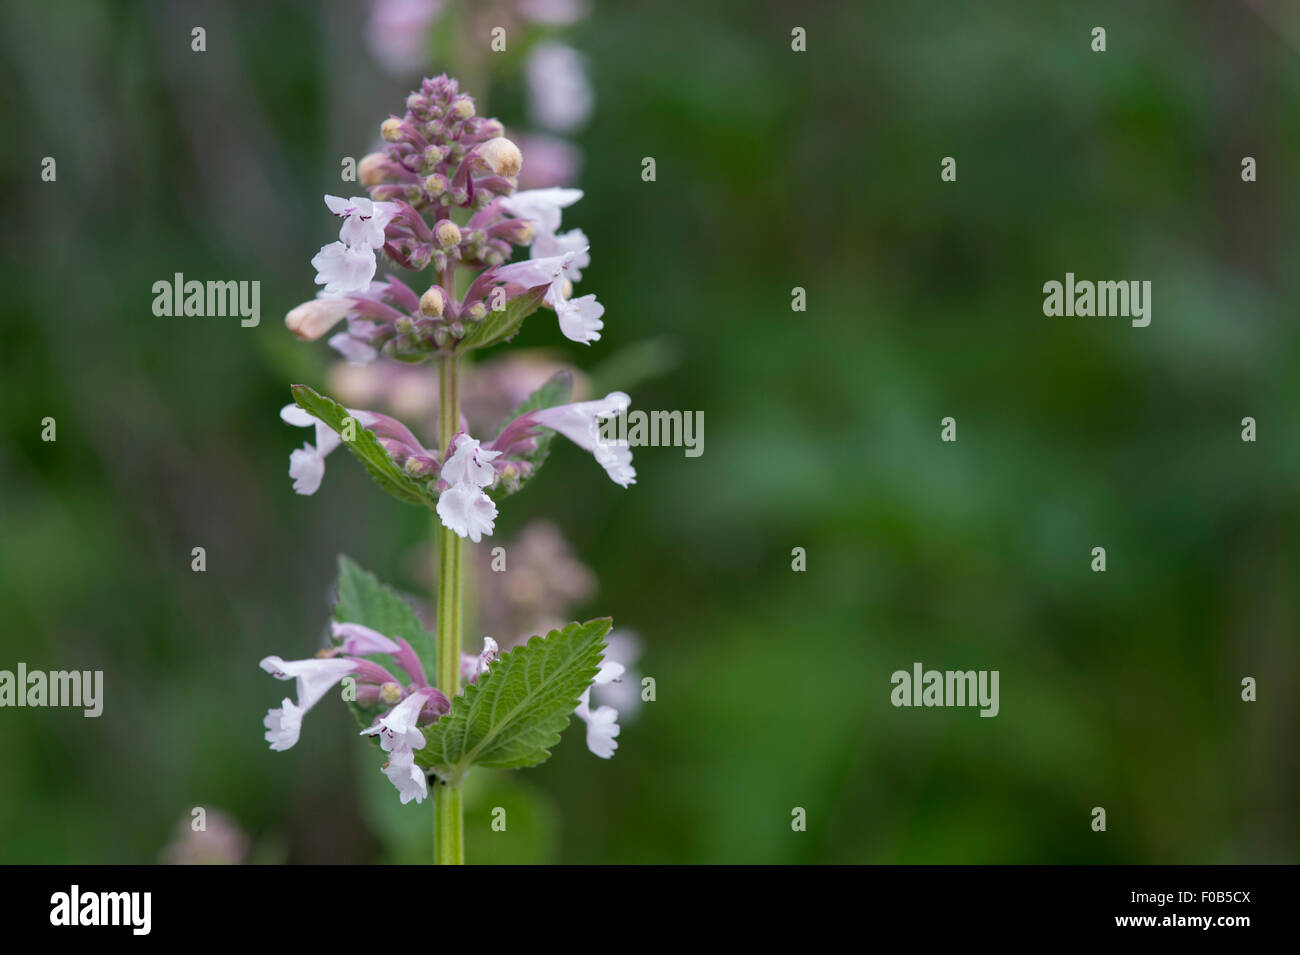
(472, 667)
(358, 640)
(560, 96)
(398, 33)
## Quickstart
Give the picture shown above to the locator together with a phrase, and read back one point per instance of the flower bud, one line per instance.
(446, 233)
(433, 302)
(434, 155)
(436, 185)
(462, 107)
(501, 156)
(491, 129)
(476, 311)
(390, 693)
(371, 169)
(457, 330)
(310, 320)
(391, 129)
(441, 336)
(403, 325)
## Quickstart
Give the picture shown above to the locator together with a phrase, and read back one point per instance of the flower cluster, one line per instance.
(411, 704)
(442, 157)
(442, 197)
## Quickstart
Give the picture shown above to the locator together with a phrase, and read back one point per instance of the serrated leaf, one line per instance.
(365, 447)
(499, 325)
(363, 599)
(557, 390)
(515, 713)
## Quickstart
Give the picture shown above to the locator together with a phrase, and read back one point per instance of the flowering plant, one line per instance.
(442, 198)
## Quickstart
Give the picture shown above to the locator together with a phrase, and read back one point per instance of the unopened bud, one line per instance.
(310, 320)
(476, 311)
(434, 155)
(446, 233)
(492, 128)
(391, 129)
(390, 693)
(441, 336)
(501, 156)
(433, 302)
(403, 325)
(462, 107)
(371, 169)
(457, 330)
(436, 185)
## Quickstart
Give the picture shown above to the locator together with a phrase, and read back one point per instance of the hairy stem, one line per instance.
(448, 822)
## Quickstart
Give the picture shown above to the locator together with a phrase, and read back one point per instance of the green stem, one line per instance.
(448, 820)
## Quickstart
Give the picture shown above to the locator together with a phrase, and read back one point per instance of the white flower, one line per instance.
(602, 723)
(283, 725)
(623, 694)
(541, 205)
(560, 97)
(397, 730)
(344, 268)
(467, 511)
(579, 317)
(549, 244)
(406, 776)
(470, 463)
(580, 423)
(364, 221)
(307, 464)
(314, 677)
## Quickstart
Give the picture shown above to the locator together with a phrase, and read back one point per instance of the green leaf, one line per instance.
(499, 325)
(514, 714)
(557, 390)
(366, 447)
(363, 599)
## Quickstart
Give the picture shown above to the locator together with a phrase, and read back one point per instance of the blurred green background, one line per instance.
(775, 169)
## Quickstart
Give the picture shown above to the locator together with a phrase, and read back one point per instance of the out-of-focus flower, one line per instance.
(220, 841)
(551, 161)
(560, 97)
(554, 12)
(398, 33)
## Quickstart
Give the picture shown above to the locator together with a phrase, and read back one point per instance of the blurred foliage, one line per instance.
(775, 170)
